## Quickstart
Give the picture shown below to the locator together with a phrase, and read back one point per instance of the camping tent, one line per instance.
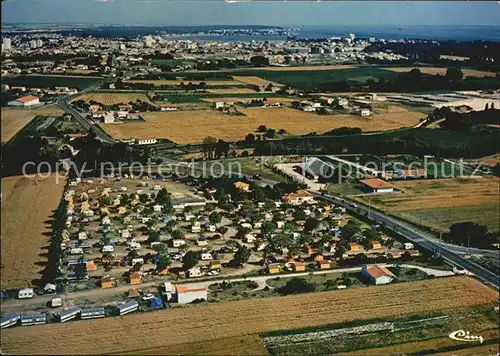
(155, 303)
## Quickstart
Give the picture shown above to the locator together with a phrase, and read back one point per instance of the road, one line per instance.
(72, 298)
(420, 238)
(82, 118)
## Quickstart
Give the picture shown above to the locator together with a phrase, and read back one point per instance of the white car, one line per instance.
(148, 296)
(213, 273)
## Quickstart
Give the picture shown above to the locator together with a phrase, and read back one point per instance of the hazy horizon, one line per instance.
(276, 13)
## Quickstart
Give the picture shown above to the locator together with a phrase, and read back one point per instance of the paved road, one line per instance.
(420, 238)
(82, 118)
(73, 297)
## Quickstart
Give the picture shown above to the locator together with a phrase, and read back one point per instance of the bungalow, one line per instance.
(299, 267)
(249, 238)
(299, 197)
(135, 278)
(242, 186)
(125, 107)
(354, 247)
(215, 264)
(273, 268)
(376, 245)
(201, 241)
(317, 257)
(377, 274)
(324, 265)
(107, 282)
(376, 185)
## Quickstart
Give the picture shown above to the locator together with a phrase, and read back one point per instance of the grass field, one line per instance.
(203, 323)
(231, 91)
(27, 206)
(14, 119)
(439, 203)
(442, 71)
(112, 98)
(46, 81)
(194, 126)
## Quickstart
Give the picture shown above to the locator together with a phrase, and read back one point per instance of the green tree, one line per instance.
(297, 286)
(215, 217)
(311, 224)
(163, 262)
(454, 74)
(178, 233)
(268, 227)
(241, 256)
(189, 260)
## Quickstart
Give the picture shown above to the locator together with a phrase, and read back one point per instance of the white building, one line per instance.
(194, 272)
(377, 274)
(145, 141)
(25, 101)
(187, 295)
(7, 44)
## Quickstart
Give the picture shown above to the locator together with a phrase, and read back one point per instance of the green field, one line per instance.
(41, 81)
(442, 218)
(299, 79)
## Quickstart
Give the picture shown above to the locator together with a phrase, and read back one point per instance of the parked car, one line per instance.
(148, 296)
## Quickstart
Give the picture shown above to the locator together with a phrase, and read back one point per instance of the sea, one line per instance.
(458, 33)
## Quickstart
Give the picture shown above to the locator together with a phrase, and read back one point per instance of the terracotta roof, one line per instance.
(184, 289)
(298, 194)
(25, 99)
(375, 183)
(379, 271)
(409, 172)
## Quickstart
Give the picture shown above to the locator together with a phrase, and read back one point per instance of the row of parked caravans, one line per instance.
(14, 319)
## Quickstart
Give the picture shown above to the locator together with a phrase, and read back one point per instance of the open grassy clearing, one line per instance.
(255, 81)
(199, 323)
(442, 71)
(194, 126)
(14, 119)
(112, 98)
(442, 218)
(27, 205)
(306, 68)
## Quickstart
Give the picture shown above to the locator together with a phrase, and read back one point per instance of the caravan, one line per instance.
(26, 293)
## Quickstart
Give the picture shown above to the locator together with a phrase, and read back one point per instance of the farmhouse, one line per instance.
(410, 174)
(25, 101)
(299, 197)
(187, 295)
(377, 274)
(168, 107)
(376, 185)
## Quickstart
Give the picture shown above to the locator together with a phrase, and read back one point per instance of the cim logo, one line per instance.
(462, 335)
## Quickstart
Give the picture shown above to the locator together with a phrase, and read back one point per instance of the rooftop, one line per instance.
(375, 183)
(379, 271)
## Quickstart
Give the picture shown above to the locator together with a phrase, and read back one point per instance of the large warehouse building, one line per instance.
(25, 101)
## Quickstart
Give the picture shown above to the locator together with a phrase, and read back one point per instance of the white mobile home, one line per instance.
(26, 293)
(33, 319)
(68, 314)
(127, 307)
(92, 313)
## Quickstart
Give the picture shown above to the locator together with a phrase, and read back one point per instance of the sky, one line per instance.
(278, 13)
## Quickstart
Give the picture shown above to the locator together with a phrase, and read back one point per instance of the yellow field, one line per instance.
(177, 82)
(112, 98)
(255, 81)
(202, 323)
(14, 119)
(27, 205)
(441, 193)
(194, 126)
(242, 345)
(236, 99)
(442, 71)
